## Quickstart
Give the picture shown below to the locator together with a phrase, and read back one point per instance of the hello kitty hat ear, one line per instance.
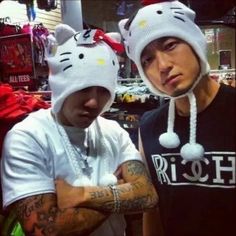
(122, 26)
(63, 32)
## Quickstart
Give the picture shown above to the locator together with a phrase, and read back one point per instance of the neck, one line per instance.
(204, 92)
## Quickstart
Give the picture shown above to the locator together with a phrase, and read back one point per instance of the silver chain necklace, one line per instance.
(72, 154)
(84, 173)
(86, 169)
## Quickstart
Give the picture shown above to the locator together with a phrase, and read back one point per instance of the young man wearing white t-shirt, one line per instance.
(60, 166)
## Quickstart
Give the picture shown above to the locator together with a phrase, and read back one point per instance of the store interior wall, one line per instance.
(221, 46)
(17, 14)
(106, 13)
(71, 14)
(210, 14)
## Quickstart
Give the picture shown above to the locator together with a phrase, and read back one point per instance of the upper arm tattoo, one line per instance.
(37, 214)
(133, 170)
(136, 173)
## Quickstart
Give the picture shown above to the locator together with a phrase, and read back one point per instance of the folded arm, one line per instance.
(134, 195)
(39, 215)
(152, 225)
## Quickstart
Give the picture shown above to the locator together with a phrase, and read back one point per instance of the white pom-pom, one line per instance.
(192, 152)
(169, 140)
(83, 181)
(108, 179)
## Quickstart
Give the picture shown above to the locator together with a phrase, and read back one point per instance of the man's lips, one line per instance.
(88, 115)
(170, 79)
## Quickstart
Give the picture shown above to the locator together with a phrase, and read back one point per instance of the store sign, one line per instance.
(209, 34)
(16, 58)
(225, 59)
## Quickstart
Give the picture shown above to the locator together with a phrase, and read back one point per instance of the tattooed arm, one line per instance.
(135, 195)
(152, 225)
(40, 216)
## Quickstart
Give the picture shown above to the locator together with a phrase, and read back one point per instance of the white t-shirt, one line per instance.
(34, 156)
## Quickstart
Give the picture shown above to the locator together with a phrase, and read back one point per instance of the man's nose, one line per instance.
(92, 98)
(163, 62)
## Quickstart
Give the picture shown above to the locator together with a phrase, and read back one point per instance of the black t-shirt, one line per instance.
(196, 198)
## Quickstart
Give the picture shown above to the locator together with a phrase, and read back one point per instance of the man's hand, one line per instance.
(118, 174)
(65, 192)
(66, 196)
(135, 191)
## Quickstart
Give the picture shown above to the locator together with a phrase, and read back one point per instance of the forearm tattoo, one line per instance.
(133, 197)
(35, 207)
(39, 215)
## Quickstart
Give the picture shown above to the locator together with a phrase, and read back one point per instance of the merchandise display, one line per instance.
(22, 58)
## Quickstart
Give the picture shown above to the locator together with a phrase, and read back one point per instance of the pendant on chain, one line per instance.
(87, 170)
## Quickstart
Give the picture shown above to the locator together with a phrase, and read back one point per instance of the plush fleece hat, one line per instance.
(82, 59)
(168, 19)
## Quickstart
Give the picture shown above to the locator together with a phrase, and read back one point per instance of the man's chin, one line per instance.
(179, 92)
(84, 124)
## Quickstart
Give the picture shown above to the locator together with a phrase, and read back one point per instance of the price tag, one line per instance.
(86, 37)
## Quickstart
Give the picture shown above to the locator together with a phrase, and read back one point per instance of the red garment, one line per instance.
(15, 106)
(9, 105)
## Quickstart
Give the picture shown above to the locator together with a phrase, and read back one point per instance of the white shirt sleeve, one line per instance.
(24, 168)
(120, 141)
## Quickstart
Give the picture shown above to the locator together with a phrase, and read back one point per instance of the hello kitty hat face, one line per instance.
(158, 19)
(82, 59)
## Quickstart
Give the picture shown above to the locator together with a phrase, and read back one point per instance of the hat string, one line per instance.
(192, 151)
(170, 139)
(193, 117)
(171, 116)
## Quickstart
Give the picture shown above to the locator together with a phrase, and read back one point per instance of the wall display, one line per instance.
(225, 59)
(16, 58)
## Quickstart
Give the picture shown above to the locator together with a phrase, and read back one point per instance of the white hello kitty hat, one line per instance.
(82, 59)
(168, 19)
